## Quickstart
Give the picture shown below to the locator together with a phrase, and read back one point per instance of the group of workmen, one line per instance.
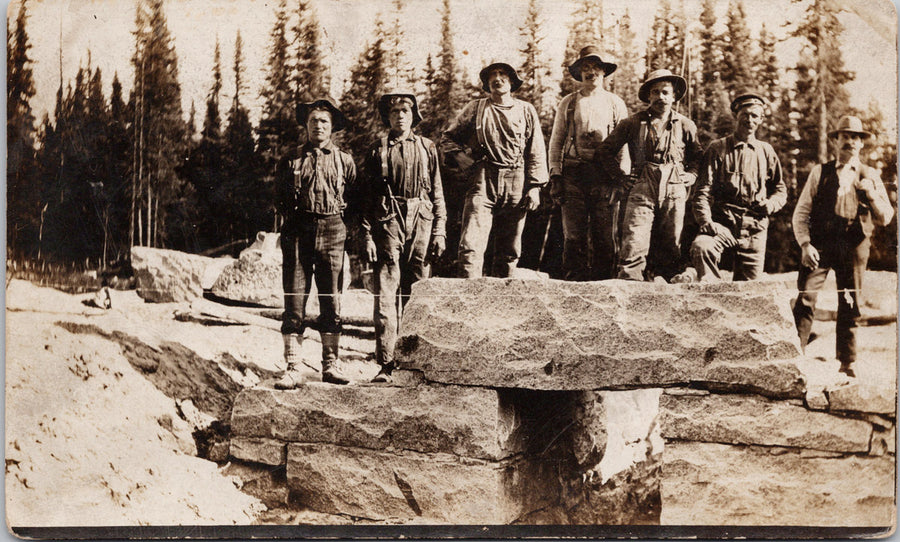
(623, 184)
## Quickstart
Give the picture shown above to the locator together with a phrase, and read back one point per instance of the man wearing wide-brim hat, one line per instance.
(740, 186)
(311, 182)
(840, 205)
(665, 157)
(404, 216)
(497, 142)
(588, 197)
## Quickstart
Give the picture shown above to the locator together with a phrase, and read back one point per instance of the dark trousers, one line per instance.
(402, 248)
(749, 255)
(313, 248)
(849, 264)
(493, 203)
(591, 209)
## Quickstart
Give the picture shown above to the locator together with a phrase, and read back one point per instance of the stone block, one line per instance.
(557, 335)
(168, 276)
(437, 488)
(718, 484)
(259, 450)
(859, 397)
(473, 422)
(749, 419)
(263, 482)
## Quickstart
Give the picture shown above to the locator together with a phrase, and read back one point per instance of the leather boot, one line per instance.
(384, 374)
(331, 372)
(292, 377)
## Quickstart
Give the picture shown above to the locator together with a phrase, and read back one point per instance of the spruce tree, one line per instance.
(446, 94)
(535, 72)
(737, 50)
(626, 80)
(311, 78)
(665, 46)
(712, 114)
(367, 81)
(399, 72)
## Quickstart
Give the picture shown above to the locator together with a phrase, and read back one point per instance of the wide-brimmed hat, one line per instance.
(747, 98)
(656, 76)
(338, 120)
(850, 124)
(514, 81)
(591, 52)
(385, 101)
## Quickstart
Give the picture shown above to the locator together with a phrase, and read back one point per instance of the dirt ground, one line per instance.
(101, 406)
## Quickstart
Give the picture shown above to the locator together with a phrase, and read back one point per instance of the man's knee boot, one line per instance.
(330, 361)
(292, 376)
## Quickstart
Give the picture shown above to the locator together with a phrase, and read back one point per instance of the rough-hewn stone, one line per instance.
(472, 422)
(579, 336)
(168, 276)
(859, 397)
(749, 419)
(259, 450)
(718, 484)
(404, 485)
(263, 482)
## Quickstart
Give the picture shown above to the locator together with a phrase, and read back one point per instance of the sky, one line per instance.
(484, 30)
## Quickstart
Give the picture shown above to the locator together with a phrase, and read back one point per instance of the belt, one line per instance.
(320, 216)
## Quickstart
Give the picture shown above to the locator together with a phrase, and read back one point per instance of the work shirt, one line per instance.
(512, 138)
(675, 143)
(738, 176)
(413, 172)
(314, 180)
(812, 193)
(592, 120)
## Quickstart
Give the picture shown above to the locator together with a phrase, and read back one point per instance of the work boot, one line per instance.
(330, 362)
(292, 377)
(384, 374)
(847, 369)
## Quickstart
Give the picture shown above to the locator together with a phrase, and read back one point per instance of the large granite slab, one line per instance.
(718, 484)
(472, 422)
(748, 419)
(170, 276)
(557, 335)
(409, 486)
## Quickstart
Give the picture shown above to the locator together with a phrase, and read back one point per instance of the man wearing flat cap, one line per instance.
(498, 142)
(310, 186)
(740, 186)
(589, 199)
(404, 217)
(840, 205)
(665, 156)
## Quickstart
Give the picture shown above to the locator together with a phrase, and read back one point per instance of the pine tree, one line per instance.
(586, 29)
(535, 72)
(23, 188)
(278, 128)
(737, 50)
(626, 81)
(367, 80)
(665, 46)
(399, 72)
(713, 114)
(446, 93)
(311, 78)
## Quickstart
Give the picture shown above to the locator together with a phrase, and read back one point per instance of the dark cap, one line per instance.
(746, 99)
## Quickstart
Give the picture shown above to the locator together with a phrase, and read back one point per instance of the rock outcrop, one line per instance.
(167, 276)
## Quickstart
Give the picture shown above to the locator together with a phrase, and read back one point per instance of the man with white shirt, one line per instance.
(841, 203)
(589, 199)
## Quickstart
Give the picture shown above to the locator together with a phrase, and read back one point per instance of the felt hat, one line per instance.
(385, 100)
(338, 120)
(662, 75)
(591, 52)
(850, 124)
(514, 81)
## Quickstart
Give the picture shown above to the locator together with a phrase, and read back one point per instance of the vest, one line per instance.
(825, 227)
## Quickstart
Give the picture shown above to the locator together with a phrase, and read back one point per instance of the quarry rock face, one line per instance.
(557, 335)
(720, 484)
(168, 276)
(256, 276)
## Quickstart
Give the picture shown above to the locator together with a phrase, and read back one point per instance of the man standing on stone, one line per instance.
(404, 216)
(841, 203)
(310, 183)
(665, 156)
(740, 186)
(589, 199)
(498, 142)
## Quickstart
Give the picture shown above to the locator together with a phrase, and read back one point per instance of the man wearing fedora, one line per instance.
(589, 199)
(740, 186)
(841, 203)
(310, 186)
(665, 156)
(404, 217)
(498, 142)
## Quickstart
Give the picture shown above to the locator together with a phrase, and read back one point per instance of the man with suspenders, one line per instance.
(588, 198)
(404, 217)
(498, 142)
(740, 186)
(310, 185)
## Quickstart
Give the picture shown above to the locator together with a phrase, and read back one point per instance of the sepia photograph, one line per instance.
(451, 269)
